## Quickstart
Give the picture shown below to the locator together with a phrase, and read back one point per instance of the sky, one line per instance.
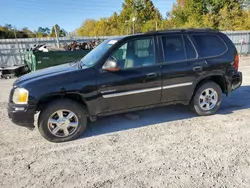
(68, 14)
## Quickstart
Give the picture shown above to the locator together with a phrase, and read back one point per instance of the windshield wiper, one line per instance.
(80, 64)
(73, 63)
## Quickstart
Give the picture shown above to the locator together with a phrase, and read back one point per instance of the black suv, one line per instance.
(190, 66)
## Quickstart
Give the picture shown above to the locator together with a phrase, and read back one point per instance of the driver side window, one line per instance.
(120, 54)
(135, 53)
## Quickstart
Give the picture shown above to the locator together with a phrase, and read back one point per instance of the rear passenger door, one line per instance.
(177, 73)
(209, 49)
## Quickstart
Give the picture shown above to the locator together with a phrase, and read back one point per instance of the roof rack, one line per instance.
(181, 30)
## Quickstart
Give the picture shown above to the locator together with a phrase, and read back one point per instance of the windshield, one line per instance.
(94, 55)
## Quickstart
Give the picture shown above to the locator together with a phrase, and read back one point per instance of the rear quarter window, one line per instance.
(209, 45)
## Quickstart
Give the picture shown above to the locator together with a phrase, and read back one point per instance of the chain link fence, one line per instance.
(11, 49)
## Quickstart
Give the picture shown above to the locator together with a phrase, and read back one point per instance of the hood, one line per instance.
(47, 72)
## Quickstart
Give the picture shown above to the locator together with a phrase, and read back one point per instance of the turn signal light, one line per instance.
(20, 96)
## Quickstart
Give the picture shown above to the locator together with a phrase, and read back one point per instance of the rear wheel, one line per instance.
(207, 99)
(62, 120)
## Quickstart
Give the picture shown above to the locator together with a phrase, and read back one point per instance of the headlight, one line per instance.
(20, 96)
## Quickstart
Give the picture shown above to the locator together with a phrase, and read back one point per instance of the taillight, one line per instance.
(236, 61)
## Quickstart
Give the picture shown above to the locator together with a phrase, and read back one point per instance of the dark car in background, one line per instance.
(193, 67)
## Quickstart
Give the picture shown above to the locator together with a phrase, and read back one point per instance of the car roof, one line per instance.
(186, 30)
(117, 38)
(183, 30)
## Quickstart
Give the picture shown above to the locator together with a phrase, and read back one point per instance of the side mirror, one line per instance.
(110, 65)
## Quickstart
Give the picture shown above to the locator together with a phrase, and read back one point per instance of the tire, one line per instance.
(58, 111)
(197, 101)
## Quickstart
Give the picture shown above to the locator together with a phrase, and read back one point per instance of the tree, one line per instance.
(146, 14)
(2, 32)
(43, 32)
(8, 26)
(53, 31)
(28, 33)
(217, 14)
(230, 16)
(113, 25)
(9, 32)
(87, 28)
(61, 32)
(142, 10)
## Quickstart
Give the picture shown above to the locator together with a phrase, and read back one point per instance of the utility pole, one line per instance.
(127, 23)
(57, 39)
(133, 19)
(133, 25)
(14, 29)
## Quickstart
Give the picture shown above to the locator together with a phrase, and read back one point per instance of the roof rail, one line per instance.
(181, 29)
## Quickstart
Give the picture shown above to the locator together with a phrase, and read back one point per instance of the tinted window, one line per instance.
(173, 48)
(191, 53)
(142, 46)
(210, 45)
(136, 53)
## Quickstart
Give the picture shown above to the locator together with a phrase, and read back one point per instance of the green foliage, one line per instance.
(146, 14)
(8, 31)
(42, 32)
(60, 32)
(216, 14)
(87, 28)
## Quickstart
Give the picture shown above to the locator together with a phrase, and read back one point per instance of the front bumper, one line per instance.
(236, 81)
(22, 115)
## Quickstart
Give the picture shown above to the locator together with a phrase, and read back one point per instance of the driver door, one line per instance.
(137, 83)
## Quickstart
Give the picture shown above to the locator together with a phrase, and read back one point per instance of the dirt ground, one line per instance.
(165, 147)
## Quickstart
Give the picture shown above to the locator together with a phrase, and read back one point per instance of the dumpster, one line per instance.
(40, 60)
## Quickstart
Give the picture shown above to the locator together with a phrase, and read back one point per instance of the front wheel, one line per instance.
(62, 120)
(207, 99)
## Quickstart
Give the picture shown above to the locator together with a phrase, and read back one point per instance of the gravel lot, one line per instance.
(165, 147)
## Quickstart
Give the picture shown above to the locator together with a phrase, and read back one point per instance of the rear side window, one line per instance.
(173, 48)
(210, 45)
(191, 52)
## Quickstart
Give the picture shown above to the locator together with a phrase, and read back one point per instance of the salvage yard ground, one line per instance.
(165, 147)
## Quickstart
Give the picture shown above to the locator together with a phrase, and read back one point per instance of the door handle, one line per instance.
(151, 75)
(198, 68)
